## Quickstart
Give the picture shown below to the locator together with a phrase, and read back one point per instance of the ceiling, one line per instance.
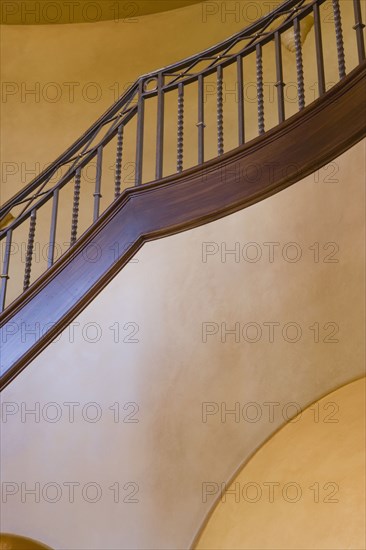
(44, 12)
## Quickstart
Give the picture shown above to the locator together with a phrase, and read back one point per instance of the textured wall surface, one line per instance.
(292, 295)
(132, 403)
(58, 79)
(19, 12)
(305, 488)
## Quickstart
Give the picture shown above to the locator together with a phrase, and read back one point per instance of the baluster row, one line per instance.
(160, 93)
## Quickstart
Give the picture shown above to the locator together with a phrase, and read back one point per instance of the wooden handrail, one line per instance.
(183, 201)
(113, 130)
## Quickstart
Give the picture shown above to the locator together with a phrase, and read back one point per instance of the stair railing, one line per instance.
(128, 116)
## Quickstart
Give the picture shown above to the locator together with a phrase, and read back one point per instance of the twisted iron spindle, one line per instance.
(180, 127)
(28, 258)
(299, 65)
(220, 113)
(117, 181)
(75, 207)
(339, 39)
(260, 97)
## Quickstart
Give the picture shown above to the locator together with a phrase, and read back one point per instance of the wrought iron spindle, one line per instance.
(5, 274)
(117, 180)
(140, 134)
(239, 73)
(98, 184)
(180, 127)
(220, 112)
(339, 39)
(358, 27)
(299, 65)
(319, 50)
(160, 129)
(51, 248)
(201, 121)
(279, 76)
(30, 245)
(260, 96)
(75, 207)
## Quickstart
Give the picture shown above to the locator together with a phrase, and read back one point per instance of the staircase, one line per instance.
(291, 141)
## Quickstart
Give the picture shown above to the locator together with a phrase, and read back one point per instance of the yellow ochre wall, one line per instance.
(168, 293)
(57, 80)
(42, 12)
(144, 340)
(318, 494)
(76, 71)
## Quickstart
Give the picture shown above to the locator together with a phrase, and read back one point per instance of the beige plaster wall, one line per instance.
(317, 499)
(58, 79)
(175, 362)
(165, 299)
(19, 12)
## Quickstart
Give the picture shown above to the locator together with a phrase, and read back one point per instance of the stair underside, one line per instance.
(286, 154)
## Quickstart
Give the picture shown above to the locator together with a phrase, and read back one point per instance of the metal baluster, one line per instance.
(98, 183)
(358, 27)
(117, 181)
(299, 65)
(201, 122)
(220, 113)
(160, 129)
(239, 71)
(51, 249)
(29, 254)
(260, 97)
(319, 50)
(5, 274)
(180, 127)
(339, 39)
(140, 134)
(279, 75)
(75, 207)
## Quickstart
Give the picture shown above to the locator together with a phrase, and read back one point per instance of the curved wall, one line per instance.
(154, 352)
(57, 80)
(18, 12)
(186, 332)
(305, 488)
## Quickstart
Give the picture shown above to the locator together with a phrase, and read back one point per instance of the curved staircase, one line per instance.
(293, 146)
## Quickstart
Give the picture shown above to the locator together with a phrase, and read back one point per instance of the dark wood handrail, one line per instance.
(112, 132)
(183, 201)
(126, 98)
